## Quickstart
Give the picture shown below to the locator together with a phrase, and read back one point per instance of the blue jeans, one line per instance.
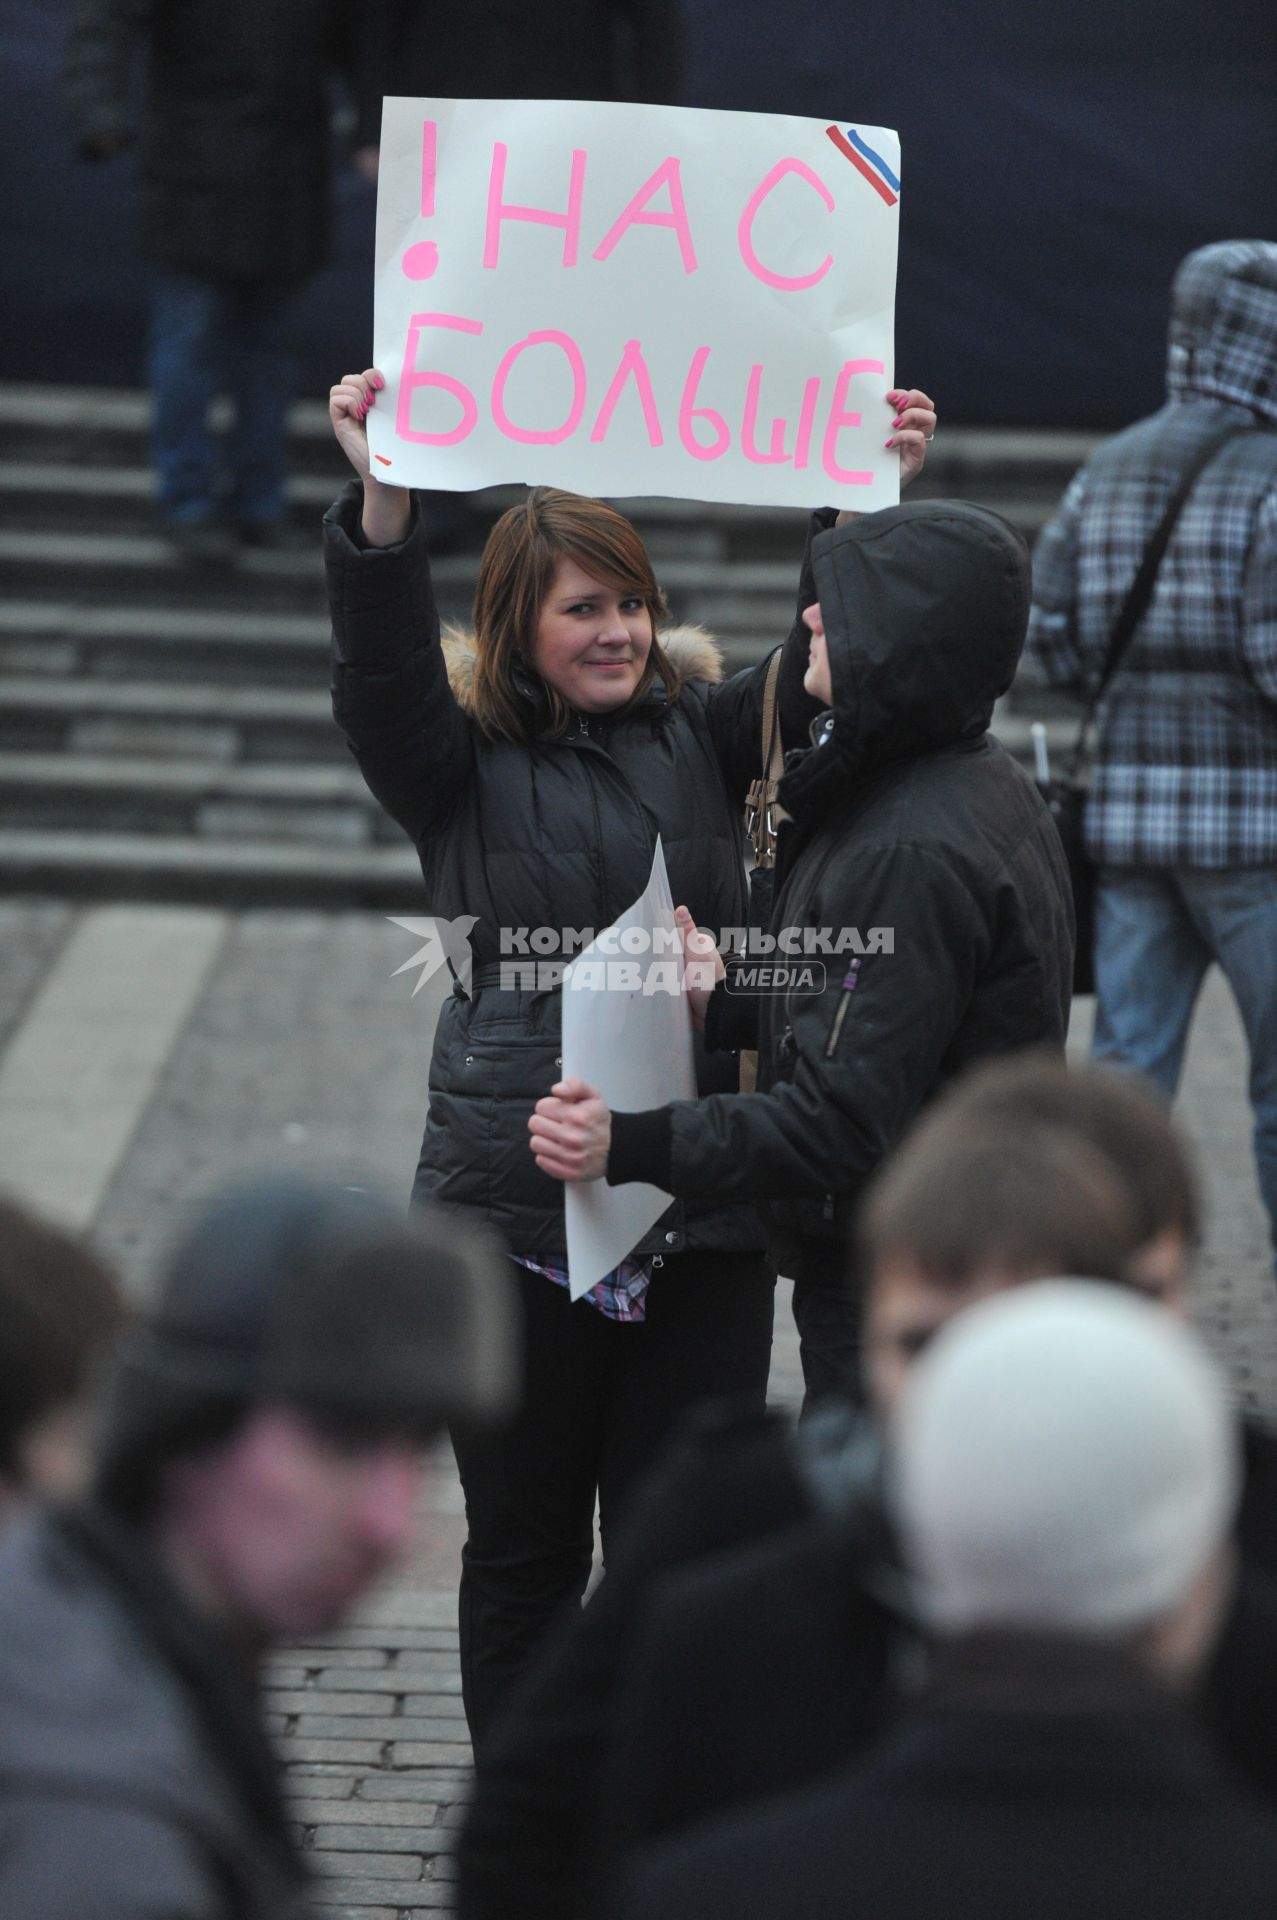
(212, 337)
(1156, 932)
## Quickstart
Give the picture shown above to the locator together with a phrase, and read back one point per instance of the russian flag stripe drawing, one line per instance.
(875, 159)
(867, 162)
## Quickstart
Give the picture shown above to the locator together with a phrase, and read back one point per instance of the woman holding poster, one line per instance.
(533, 764)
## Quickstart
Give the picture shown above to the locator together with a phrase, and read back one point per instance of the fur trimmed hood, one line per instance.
(693, 650)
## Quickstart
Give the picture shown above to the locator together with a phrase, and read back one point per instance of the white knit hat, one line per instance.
(1064, 1459)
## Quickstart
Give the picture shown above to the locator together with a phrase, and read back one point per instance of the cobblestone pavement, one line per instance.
(299, 1048)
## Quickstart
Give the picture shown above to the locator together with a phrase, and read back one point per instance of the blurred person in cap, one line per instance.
(1063, 1474)
(258, 1466)
(735, 1647)
(60, 1311)
(1026, 1169)
(732, 1649)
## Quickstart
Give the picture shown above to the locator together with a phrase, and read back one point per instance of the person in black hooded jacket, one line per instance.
(920, 860)
(534, 777)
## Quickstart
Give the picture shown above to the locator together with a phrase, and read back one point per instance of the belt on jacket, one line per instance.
(494, 973)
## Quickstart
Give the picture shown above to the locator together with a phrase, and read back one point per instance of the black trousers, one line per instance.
(600, 1399)
(827, 1314)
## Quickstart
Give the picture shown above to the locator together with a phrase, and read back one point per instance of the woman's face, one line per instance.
(591, 642)
(816, 680)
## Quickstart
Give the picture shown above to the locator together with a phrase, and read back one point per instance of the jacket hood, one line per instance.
(924, 609)
(1223, 329)
(692, 650)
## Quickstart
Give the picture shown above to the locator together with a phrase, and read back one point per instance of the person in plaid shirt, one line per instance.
(1182, 813)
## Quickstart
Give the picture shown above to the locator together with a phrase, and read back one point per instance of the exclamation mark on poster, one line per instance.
(420, 260)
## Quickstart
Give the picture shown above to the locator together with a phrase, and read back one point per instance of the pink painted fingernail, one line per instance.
(899, 420)
(888, 443)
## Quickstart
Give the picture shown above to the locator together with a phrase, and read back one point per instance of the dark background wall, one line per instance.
(1057, 161)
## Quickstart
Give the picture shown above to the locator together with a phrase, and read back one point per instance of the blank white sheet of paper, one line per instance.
(627, 1031)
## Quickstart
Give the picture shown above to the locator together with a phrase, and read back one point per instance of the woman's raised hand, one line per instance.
(348, 404)
(387, 510)
(912, 429)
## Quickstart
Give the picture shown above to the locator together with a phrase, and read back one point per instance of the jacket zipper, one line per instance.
(585, 738)
(848, 988)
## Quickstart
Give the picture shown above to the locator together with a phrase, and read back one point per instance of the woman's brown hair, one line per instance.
(515, 576)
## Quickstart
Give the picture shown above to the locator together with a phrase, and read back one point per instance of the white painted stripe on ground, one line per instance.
(77, 1077)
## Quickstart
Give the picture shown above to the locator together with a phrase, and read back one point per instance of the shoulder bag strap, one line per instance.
(760, 802)
(1140, 593)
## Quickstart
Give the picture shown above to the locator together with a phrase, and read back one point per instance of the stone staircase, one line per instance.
(165, 733)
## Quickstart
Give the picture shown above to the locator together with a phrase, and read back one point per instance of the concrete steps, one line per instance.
(211, 644)
(88, 865)
(158, 717)
(165, 732)
(122, 793)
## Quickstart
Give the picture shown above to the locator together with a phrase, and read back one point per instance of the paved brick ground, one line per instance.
(304, 1050)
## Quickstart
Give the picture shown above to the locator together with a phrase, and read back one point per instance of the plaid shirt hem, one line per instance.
(619, 1295)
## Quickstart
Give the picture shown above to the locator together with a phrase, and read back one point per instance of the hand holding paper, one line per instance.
(571, 1128)
(702, 965)
(572, 1132)
(627, 1044)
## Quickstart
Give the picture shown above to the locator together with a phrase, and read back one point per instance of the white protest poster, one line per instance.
(627, 1031)
(628, 300)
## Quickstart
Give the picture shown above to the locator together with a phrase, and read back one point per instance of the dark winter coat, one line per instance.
(752, 1672)
(232, 114)
(134, 1776)
(905, 816)
(506, 50)
(557, 835)
(1053, 1782)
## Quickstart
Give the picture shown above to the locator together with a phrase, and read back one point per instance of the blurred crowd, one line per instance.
(1003, 1641)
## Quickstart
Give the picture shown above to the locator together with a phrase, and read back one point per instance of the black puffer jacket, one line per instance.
(232, 117)
(905, 816)
(560, 835)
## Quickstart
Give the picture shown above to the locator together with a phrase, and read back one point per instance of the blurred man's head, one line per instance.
(60, 1310)
(1026, 1168)
(268, 1418)
(1063, 1461)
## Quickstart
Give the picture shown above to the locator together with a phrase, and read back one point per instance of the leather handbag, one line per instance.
(1066, 797)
